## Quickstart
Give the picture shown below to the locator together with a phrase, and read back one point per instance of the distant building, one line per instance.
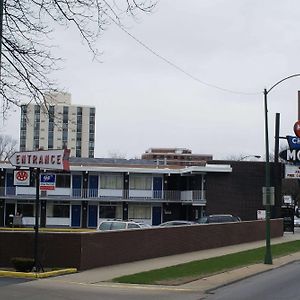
(176, 156)
(62, 126)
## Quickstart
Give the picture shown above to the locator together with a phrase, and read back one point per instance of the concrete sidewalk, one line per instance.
(104, 274)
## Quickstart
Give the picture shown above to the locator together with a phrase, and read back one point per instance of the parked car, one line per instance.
(118, 225)
(296, 222)
(219, 219)
(144, 225)
(176, 223)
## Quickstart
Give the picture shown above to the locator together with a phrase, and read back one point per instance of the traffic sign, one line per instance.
(44, 159)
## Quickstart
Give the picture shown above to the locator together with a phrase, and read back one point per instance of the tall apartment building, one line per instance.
(61, 126)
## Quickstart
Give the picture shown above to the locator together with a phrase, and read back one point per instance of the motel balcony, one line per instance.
(194, 197)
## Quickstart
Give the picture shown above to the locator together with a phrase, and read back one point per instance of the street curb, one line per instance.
(210, 290)
(33, 275)
(216, 284)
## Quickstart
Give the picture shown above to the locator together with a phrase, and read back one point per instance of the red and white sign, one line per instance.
(292, 172)
(47, 182)
(22, 177)
(297, 128)
(44, 159)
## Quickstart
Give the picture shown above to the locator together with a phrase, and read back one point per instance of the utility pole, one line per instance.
(268, 189)
(268, 253)
(298, 105)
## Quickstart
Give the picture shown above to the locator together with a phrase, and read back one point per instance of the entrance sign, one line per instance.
(22, 177)
(47, 182)
(297, 128)
(44, 159)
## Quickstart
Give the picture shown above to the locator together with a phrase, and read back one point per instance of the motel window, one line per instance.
(26, 209)
(113, 181)
(58, 210)
(110, 212)
(63, 181)
(140, 182)
(139, 211)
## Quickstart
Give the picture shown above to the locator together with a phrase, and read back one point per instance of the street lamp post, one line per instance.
(268, 254)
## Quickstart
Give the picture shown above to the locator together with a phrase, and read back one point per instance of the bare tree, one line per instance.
(26, 60)
(242, 157)
(7, 146)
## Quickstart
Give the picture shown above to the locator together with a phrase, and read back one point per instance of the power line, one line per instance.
(178, 68)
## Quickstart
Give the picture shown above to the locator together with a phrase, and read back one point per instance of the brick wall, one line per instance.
(90, 250)
(240, 192)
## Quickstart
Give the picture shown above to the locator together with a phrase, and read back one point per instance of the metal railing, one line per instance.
(190, 196)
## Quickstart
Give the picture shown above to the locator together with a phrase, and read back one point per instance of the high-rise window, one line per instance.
(91, 132)
(23, 117)
(23, 128)
(79, 132)
(36, 126)
(51, 127)
(65, 127)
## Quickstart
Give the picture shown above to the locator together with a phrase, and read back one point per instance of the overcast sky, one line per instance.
(142, 102)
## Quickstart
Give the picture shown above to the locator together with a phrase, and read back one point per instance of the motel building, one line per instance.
(96, 189)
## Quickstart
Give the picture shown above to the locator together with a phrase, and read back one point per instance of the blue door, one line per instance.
(157, 187)
(76, 185)
(156, 215)
(92, 215)
(10, 188)
(93, 186)
(76, 215)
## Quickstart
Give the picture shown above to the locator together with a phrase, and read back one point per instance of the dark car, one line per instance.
(219, 219)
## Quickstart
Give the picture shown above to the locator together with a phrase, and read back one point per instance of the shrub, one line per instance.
(22, 264)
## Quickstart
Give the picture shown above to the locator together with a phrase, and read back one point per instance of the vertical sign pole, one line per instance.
(36, 227)
(268, 254)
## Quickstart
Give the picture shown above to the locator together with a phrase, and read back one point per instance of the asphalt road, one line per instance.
(278, 284)
(58, 290)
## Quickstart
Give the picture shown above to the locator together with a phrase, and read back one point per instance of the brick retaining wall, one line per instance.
(95, 249)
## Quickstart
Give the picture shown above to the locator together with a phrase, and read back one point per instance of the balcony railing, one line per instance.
(191, 196)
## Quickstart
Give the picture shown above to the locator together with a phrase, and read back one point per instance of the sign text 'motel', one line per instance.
(292, 155)
(47, 159)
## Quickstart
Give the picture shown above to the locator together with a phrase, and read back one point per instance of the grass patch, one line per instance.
(201, 268)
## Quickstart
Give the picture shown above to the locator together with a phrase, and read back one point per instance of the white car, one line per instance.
(176, 223)
(118, 225)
